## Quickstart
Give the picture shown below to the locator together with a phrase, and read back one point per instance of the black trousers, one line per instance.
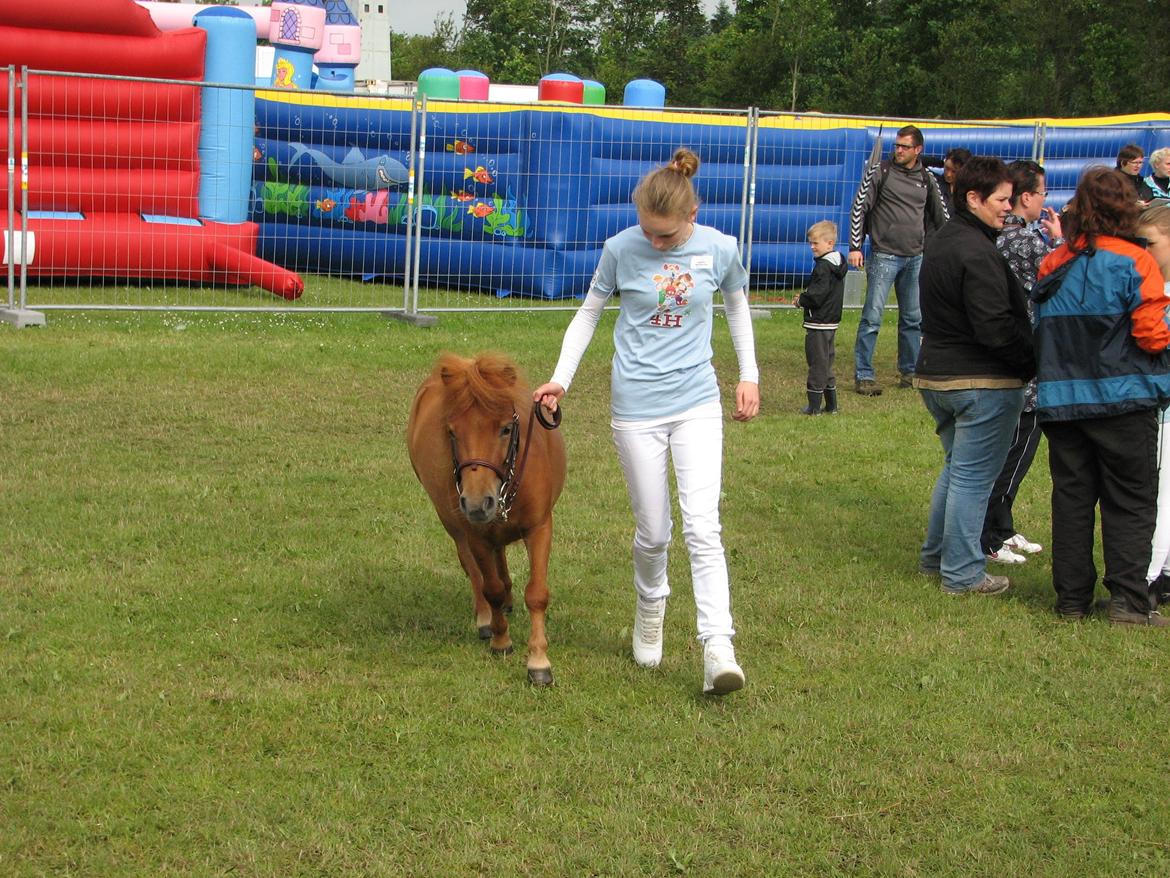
(998, 524)
(820, 350)
(1113, 462)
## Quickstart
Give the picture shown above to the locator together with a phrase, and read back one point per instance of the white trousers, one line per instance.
(695, 445)
(1160, 554)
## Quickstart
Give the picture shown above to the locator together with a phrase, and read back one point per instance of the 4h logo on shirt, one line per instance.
(673, 288)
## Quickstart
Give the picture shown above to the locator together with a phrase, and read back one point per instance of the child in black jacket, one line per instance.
(822, 303)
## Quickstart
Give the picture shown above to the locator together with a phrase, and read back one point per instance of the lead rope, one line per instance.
(511, 488)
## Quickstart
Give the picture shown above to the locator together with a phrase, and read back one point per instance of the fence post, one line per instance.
(749, 157)
(9, 228)
(20, 316)
(410, 260)
(1038, 133)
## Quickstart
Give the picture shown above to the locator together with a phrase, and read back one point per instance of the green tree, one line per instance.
(801, 39)
(725, 83)
(722, 17)
(412, 54)
(653, 39)
(522, 40)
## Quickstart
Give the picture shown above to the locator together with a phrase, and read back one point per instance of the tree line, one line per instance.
(917, 58)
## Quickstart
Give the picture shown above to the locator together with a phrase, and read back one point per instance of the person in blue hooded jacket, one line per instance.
(1101, 330)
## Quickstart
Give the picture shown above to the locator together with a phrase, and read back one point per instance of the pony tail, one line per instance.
(685, 162)
(668, 191)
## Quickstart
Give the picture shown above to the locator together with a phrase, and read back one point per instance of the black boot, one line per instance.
(830, 400)
(814, 403)
(1160, 591)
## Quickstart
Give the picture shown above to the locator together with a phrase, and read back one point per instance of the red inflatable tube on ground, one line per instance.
(127, 246)
(244, 268)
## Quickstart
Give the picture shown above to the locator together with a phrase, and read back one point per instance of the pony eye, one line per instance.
(506, 430)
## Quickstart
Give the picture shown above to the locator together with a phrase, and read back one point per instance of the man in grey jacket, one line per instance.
(897, 205)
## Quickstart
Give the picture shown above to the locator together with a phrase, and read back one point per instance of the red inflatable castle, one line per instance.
(113, 165)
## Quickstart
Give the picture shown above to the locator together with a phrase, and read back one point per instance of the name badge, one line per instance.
(702, 261)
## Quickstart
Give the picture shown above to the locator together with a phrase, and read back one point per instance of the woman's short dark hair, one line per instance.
(958, 156)
(982, 174)
(1103, 205)
(1128, 153)
(1026, 176)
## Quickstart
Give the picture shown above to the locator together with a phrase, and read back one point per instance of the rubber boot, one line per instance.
(831, 401)
(1160, 590)
(814, 403)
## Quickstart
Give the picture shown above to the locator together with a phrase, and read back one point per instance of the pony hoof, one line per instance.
(507, 650)
(485, 632)
(540, 676)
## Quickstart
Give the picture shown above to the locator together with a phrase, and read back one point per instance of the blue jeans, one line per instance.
(975, 427)
(884, 271)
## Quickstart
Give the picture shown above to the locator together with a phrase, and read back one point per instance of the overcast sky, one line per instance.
(414, 17)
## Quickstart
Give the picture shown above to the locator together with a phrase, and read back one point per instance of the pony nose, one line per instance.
(485, 510)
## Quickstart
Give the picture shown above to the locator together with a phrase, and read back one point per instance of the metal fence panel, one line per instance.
(517, 200)
(149, 193)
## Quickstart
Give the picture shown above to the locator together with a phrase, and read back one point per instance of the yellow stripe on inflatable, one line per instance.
(786, 120)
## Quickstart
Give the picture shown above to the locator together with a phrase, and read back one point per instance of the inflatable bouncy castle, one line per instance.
(125, 178)
(519, 199)
(155, 178)
(512, 200)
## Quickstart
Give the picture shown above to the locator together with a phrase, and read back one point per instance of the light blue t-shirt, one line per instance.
(662, 340)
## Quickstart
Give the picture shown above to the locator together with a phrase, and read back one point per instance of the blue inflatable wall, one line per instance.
(518, 200)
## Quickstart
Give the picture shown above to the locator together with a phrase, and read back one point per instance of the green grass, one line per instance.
(234, 638)
(321, 292)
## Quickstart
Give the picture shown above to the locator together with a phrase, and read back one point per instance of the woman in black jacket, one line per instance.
(1130, 159)
(975, 359)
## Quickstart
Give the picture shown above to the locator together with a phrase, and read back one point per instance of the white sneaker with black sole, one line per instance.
(1005, 556)
(721, 673)
(647, 640)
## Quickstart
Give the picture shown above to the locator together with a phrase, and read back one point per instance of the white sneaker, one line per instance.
(720, 672)
(647, 641)
(1005, 556)
(1021, 543)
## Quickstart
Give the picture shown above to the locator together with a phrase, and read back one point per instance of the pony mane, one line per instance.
(490, 382)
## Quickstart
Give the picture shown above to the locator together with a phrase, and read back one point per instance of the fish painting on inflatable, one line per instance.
(331, 193)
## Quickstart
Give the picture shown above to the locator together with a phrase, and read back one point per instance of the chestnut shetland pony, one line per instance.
(493, 480)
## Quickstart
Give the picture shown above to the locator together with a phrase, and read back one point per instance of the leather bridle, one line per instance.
(510, 472)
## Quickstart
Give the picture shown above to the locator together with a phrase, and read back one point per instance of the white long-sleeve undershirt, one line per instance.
(585, 321)
(739, 321)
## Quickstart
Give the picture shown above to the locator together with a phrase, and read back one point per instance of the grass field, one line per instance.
(235, 640)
